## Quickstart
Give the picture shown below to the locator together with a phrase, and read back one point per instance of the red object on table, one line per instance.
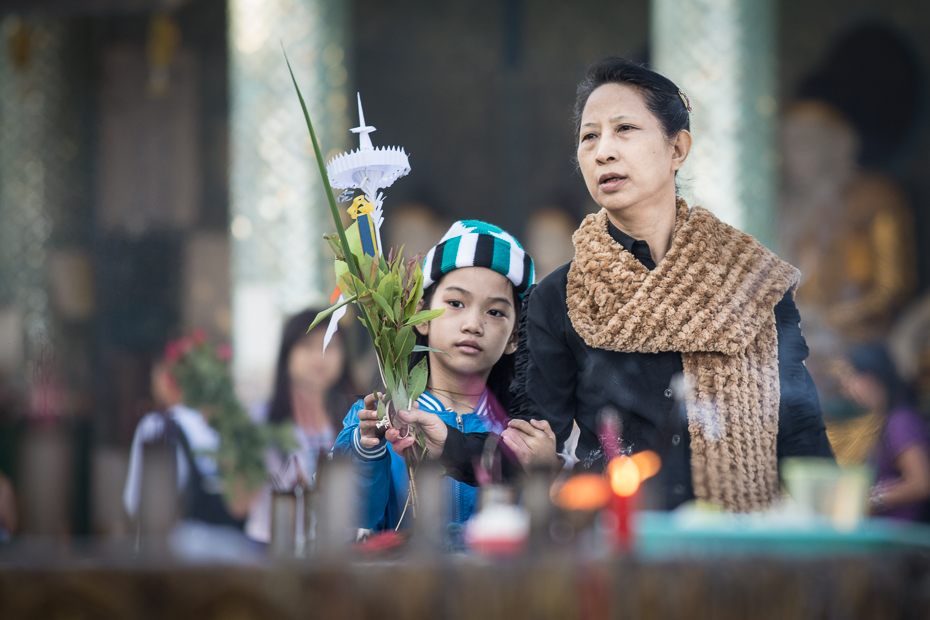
(623, 509)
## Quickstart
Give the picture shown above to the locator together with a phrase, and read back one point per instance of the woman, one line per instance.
(901, 456)
(311, 390)
(657, 290)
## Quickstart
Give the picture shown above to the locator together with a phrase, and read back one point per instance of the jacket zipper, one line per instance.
(458, 485)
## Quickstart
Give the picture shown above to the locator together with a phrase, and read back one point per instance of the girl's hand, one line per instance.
(434, 432)
(533, 442)
(369, 434)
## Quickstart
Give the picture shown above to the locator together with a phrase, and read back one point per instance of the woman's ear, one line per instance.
(513, 342)
(680, 149)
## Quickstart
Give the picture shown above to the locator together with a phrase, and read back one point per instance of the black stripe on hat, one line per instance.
(484, 251)
(527, 271)
(435, 270)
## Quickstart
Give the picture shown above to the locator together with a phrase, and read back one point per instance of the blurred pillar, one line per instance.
(44, 209)
(278, 210)
(722, 53)
(32, 79)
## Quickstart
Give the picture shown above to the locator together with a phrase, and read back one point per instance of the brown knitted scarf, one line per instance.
(711, 299)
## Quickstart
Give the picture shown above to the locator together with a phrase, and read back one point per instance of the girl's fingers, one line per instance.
(512, 438)
(523, 426)
(513, 445)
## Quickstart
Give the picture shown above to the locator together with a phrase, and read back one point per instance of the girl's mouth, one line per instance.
(468, 346)
(610, 181)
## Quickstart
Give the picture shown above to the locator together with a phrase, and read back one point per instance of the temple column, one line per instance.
(722, 53)
(278, 211)
(44, 207)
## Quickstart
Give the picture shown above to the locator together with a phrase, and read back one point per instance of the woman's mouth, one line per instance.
(610, 181)
(468, 346)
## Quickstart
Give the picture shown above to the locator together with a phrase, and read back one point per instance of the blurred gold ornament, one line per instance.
(21, 46)
(164, 38)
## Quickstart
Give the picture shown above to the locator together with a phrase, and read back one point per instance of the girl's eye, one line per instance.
(455, 303)
(496, 313)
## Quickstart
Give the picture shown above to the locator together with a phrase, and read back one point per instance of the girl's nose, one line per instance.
(473, 322)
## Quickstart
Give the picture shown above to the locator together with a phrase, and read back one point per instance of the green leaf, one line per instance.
(385, 346)
(384, 305)
(404, 343)
(424, 316)
(386, 287)
(381, 411)
(333, 241)
(325, 313)
(421, 349)
(389, 380)
(418, 378)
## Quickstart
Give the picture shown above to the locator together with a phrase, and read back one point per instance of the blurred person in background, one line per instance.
(199, 478)
(901, 456)
(312, 391)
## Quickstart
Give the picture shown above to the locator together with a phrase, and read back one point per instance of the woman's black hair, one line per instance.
(340, 394)
(660, 94)
(873, 359)
(502, 373)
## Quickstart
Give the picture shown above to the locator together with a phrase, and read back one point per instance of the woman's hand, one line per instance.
(369, 432)
(533, 443)
(434, 431)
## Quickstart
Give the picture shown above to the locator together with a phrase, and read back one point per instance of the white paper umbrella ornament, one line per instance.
(367, 168)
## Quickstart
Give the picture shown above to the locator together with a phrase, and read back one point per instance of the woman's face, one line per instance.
(624, 156)
(307, 366)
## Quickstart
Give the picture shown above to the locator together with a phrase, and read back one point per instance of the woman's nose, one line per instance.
(606, 151)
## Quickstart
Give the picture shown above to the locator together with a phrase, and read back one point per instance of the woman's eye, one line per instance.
(587, 136)
(624, 127)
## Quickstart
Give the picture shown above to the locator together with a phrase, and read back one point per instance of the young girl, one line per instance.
(478, 274)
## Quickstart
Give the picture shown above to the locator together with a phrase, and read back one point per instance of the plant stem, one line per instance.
(350, 258)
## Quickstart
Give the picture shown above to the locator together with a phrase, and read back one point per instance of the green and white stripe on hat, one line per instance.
(471, 243)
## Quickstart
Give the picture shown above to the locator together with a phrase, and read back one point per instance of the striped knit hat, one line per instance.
(470, 243)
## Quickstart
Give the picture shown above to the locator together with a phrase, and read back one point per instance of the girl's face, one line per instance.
(307, 366)
(477, 327)
(624, 156)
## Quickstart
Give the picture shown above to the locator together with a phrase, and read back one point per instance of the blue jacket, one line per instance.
(382, 474)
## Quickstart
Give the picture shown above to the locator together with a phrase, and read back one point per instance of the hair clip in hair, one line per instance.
(685, 100)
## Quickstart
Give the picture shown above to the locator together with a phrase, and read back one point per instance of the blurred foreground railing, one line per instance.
(681, 568)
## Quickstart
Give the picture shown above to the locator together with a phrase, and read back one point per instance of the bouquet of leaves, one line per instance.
(387, 293)
(202, 374)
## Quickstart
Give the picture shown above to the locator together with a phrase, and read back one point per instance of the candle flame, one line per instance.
(624, 476)
(648, 463)
(626, 473)
(583, 492)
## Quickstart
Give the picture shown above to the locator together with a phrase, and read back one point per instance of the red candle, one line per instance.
(624, 476)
